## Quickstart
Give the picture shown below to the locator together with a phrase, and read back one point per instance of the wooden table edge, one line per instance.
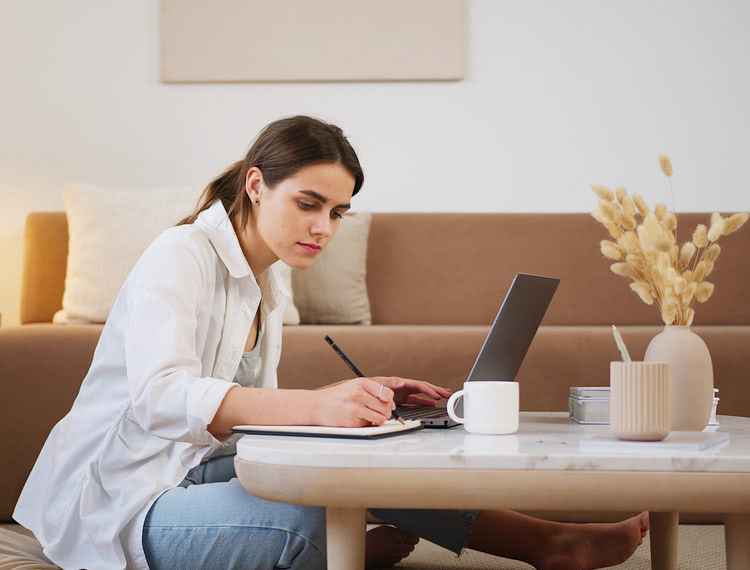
(490, 488)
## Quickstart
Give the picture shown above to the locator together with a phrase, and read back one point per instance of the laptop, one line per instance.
(505, 345)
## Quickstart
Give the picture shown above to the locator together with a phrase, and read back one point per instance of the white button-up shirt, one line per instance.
(165, 360)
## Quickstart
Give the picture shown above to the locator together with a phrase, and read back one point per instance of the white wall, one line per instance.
(557, 94)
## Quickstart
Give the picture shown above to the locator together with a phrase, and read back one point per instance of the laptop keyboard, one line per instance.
(422, 413)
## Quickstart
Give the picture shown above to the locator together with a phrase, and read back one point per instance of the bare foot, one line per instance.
(388, 545)
(588, 546)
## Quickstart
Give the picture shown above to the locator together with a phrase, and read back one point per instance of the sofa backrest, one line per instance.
(451, 268)
(432, 268)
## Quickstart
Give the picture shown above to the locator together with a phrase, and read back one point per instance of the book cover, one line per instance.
(589, 391)
(589, 410)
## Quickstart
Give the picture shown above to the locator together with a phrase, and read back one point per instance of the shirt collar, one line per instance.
(215, 222)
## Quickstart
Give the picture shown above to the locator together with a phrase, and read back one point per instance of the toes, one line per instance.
(403, 537)
(404, 549)
(388, 545)
(644, 520)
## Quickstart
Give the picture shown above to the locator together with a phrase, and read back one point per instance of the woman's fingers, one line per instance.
(404, 387)
(382, 392)
(356, 402)
(377, 401)
(419, 400)
(364, 401)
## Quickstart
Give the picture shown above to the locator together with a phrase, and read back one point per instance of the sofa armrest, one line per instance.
(41, 369)
(45, 259)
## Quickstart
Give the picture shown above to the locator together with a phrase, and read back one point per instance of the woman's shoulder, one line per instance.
(181, 244)
(187, 236)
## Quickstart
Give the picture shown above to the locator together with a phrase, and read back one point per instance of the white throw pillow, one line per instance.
(334, 289)
(108, 231)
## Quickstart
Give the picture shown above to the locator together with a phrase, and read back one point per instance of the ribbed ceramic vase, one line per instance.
(691, 375)
(639, 400)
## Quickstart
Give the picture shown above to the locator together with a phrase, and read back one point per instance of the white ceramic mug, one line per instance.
(490, 407)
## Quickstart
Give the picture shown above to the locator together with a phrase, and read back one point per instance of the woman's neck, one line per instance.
(258, 255)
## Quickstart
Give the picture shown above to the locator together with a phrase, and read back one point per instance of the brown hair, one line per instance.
(280, 150)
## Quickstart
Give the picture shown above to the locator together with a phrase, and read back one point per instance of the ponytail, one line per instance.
(281, 149)
(223, 187)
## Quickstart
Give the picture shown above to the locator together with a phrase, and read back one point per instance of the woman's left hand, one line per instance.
(407, 391)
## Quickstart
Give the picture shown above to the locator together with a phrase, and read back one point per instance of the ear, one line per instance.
(254, 183)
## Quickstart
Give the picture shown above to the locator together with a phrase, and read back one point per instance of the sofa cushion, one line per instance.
(334, 289)
(19, 549)
(41, 368)
(108, 230)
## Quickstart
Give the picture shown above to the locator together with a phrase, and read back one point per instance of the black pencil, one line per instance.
(356, 370)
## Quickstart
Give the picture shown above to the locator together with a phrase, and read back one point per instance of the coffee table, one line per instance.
(550, 464)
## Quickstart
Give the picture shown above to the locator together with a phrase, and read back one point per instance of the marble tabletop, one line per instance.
(544, 441)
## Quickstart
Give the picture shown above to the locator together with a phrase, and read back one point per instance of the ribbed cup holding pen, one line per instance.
(639, 400)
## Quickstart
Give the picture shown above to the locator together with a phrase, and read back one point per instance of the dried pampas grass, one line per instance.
(645, 249)
(666, 165)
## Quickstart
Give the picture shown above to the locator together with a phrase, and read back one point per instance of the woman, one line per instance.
(140, 474)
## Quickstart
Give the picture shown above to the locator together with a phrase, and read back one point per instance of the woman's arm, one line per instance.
(350, 403)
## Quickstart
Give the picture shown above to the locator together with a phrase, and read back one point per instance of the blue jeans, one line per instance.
(210, 521)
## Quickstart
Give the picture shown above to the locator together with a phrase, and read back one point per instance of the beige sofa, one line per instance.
(434, 283)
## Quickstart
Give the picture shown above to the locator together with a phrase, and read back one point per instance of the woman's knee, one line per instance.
(293, 538)
(304, 543)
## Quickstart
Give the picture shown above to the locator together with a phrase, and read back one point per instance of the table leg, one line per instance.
(664, 530)
(345, 538)
(736, 535)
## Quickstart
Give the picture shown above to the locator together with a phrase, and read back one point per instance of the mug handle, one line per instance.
(450, 407)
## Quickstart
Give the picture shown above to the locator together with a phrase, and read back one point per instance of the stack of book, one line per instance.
(590, 405)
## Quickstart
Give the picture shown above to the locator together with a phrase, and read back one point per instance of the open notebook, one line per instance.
(389, 428)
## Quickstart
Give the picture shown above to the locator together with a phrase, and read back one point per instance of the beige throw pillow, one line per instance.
(108, 231)
(334, 290)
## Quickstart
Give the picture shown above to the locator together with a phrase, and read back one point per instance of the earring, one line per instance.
(257, 201)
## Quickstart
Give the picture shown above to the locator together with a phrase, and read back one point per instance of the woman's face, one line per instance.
(298, 217)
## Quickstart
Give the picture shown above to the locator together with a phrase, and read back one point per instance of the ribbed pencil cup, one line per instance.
(639, 400)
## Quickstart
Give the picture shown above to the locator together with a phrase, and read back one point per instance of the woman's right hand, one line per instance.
(354, 403)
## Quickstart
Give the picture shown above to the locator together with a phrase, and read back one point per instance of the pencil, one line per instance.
(620, 344)
(356, 370)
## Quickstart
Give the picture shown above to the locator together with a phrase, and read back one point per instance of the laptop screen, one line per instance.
(514, 327)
